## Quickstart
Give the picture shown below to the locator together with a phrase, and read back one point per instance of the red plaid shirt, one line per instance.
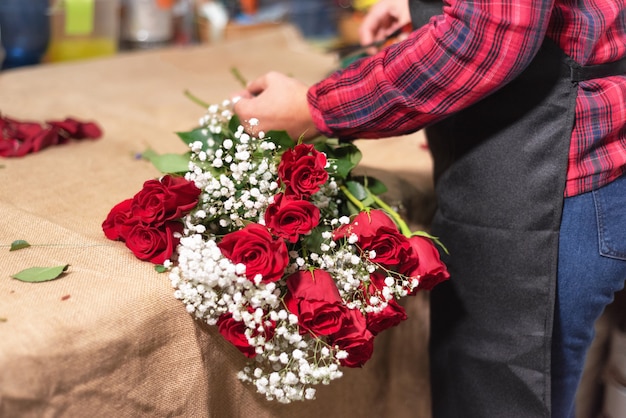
(473, 48)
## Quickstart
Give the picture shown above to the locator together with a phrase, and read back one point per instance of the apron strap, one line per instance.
(588, 72)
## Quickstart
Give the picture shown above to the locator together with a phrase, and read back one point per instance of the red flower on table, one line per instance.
(313, 297)
(391, 315)
(289, 218)
(164, 200)
(302, 171)
(147, 223)
(355, 338)
(119, 222)
(429, 267)
(261, 253)
(377, 232)
(235, 332)
(151, 243)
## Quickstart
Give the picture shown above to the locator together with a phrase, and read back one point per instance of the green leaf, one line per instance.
(344, 156)
(234, 123)
(314, 240)
(357, 189)
(168, 163)
(18, 245)
(200, 134)
(375, 186)
(160, 268)
(281, 139)
(40, 274)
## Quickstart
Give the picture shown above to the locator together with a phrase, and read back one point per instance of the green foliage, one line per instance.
(281, 139)
(40, 274)
(18, 245)
(168, 163)
(203, 135)
(343, 157)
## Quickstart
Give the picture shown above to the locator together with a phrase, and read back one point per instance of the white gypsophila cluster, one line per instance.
(351, 269)
(351, 272)
(289, 364)
(237, 177)
(211, 285)
(292, 364)
(217, 116)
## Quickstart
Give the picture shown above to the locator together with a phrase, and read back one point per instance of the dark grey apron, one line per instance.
(500, 171)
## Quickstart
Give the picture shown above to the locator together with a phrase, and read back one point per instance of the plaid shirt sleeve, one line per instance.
(461, 56)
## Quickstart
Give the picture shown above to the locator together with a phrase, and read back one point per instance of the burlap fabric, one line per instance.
(108, 339)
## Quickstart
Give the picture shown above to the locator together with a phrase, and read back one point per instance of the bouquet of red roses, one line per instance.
(298, 262)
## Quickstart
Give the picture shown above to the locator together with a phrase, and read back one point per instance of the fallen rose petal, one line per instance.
(45, 139)
(25, 129)
(90, 130)
(8, 147)
(69, 125)
(18, 138)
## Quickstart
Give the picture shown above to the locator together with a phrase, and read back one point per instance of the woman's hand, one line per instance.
(275, 101)
(382, 19)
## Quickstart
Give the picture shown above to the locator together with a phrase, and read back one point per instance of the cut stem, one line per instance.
(404, 228)
(196, 100)
(239, 77)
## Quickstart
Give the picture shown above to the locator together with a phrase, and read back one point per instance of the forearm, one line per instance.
(468, 52)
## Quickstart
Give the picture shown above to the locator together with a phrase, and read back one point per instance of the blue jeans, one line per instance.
(591, 268)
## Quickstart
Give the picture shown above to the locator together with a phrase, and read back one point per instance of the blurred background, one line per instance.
(43, 31)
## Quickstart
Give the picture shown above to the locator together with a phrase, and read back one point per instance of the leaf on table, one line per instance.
(160, 268)
(168, 163)
(18, 245)
(40, 274)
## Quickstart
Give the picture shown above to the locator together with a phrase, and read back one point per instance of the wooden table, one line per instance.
(108, 339)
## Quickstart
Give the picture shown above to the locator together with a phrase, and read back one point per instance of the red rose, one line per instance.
(234, 332)
(354, 338)
(258, 250)
(289, 218)
(390, 316)
(366, 225)
(302, 171)
(165, 200)
(429, 269)
(313, 297)
(153, 244)
(118, 223)
(377, 232)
